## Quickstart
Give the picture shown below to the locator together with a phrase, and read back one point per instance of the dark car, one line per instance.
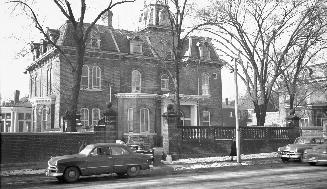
(96, 159)
(295, 151)
(318, 154)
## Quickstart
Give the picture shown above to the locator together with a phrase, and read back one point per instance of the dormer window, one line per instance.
(35, 49)
(95, 43)
(136, 47)
(169, 55)
(204, 50)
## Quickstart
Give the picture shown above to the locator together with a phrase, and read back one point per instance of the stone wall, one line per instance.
(221, 147)
(35, 147)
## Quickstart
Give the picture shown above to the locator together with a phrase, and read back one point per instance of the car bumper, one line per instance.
(291, 155)
(53, 173)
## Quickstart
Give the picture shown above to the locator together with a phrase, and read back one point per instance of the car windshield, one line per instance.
(87, 150)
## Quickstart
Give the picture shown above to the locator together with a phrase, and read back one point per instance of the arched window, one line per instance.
(144, 120)
(85, 77)
(96, 77)
(85, 117)
(130, 119)
(44, 118)
(205, 84)
(49, 80)
(95, 116)
(136, 81)
(164, 82)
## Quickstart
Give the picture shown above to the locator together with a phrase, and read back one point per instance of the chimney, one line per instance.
(226, 101)
(110, 18)
(16, 96)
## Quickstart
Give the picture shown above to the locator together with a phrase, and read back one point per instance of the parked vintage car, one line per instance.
(295, 151)
(318, 154)
(95, 159)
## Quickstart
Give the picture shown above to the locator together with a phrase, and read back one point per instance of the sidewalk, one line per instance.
(181, 165)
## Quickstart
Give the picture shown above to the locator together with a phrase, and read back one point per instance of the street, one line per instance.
(292, 175)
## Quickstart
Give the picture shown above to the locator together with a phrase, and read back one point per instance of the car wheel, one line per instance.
(71, 174)
(133, 171)
(312, 163)
(60, 179)
(284, 160)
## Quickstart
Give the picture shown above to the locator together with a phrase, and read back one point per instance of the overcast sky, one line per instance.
(17, 30)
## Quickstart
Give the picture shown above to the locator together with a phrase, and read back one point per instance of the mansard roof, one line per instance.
(154, 42)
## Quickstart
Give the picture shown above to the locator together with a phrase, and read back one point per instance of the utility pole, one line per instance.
(238, 143)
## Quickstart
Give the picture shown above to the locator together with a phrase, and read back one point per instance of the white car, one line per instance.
(295, 151)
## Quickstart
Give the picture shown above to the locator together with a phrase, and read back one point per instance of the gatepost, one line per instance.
(293, 122)
(172, 136)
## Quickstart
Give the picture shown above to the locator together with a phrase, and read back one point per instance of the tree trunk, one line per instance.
(72, 108)
(292, 98)
(260, 110)
(178, 106)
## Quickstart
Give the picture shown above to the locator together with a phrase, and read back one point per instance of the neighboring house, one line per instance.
(248, 114)
(312, 109)
(16, 116)
(125, 68)
(228, 114)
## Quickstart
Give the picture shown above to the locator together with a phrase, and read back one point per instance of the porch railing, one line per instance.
(218, 132)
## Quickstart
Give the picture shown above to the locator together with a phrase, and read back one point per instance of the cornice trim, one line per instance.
(136, 95)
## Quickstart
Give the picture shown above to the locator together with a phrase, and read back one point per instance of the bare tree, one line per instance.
(80, 33)
(259, 35)
(312, 43)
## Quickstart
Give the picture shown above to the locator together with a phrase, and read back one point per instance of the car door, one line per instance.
(322, 152)
(99, 161)
(121, 158)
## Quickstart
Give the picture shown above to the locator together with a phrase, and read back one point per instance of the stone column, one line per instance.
(172, 136)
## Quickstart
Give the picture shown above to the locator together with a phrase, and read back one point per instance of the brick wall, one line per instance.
(34, 147)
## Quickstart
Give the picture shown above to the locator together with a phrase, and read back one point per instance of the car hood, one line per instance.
(65, 157)
(292, 147)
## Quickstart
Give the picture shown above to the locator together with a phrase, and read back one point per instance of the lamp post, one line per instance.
(238, 143)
